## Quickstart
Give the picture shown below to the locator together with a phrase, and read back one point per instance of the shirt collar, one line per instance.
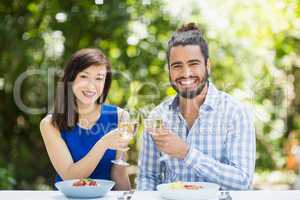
(210, 101)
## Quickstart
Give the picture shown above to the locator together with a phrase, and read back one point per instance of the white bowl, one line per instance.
(102, 188)
(208, 191)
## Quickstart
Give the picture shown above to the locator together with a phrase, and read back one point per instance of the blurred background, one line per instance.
(254, 50)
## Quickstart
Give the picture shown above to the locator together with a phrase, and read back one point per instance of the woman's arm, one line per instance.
(120, 176)
(61, 158)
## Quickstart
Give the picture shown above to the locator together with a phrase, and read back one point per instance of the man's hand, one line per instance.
(169, 143)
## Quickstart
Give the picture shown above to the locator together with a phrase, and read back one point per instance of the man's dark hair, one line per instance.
(188, 34)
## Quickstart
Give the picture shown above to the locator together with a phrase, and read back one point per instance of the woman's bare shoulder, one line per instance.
(46, 125)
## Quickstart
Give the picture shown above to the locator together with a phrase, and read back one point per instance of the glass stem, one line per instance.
(122, 156)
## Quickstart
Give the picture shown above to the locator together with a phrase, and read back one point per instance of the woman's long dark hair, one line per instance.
(65, 115)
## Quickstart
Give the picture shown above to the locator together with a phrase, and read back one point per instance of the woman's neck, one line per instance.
(87, 110)
(88, 114)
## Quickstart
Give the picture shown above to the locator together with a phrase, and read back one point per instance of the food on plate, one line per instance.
(181, 185)
(85, 182)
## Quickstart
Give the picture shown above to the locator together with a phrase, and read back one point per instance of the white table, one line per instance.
(149, 195)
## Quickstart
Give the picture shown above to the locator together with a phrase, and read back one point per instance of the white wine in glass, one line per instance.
(127, 130)
(152, 126)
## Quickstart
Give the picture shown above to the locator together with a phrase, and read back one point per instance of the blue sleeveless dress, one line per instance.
(80, 141)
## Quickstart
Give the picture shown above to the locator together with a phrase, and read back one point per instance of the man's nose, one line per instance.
(187, 71)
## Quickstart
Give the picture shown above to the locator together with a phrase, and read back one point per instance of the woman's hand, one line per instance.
(114, 140)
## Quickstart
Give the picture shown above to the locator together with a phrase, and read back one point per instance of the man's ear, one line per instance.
(208, 65)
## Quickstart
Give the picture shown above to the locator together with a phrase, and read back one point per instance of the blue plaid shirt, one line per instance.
(221, 145)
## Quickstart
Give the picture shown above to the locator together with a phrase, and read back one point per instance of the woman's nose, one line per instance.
(90, 84)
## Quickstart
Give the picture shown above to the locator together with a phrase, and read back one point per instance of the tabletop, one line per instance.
(150, 195)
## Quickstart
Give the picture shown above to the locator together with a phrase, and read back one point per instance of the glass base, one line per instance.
(120, 162)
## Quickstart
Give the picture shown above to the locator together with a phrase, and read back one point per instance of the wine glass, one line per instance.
(127, 128)
(152, 126)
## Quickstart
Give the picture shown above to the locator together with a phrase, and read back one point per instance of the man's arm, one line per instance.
(238, 171)
(149, 165)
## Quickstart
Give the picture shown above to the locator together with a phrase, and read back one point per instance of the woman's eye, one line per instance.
(83, 76)
(99, 78)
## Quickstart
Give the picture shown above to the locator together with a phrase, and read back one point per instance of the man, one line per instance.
(209, 136)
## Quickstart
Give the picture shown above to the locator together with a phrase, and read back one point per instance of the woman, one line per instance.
(81, 136)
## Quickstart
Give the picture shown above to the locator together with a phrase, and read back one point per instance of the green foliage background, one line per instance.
(254, 50)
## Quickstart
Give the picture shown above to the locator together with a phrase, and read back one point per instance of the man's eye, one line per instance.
(176, 66)
(194, 64)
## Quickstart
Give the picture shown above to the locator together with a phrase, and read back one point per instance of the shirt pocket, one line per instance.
(211, 129)
(210, 140)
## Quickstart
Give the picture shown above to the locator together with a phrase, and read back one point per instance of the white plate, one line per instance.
(67, 188)
(208, 191)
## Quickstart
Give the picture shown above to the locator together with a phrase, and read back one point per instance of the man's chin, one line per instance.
(188, 94)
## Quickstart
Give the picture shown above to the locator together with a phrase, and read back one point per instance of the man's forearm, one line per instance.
(228, 176)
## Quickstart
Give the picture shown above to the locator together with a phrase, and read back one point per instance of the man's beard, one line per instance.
(190, 94)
